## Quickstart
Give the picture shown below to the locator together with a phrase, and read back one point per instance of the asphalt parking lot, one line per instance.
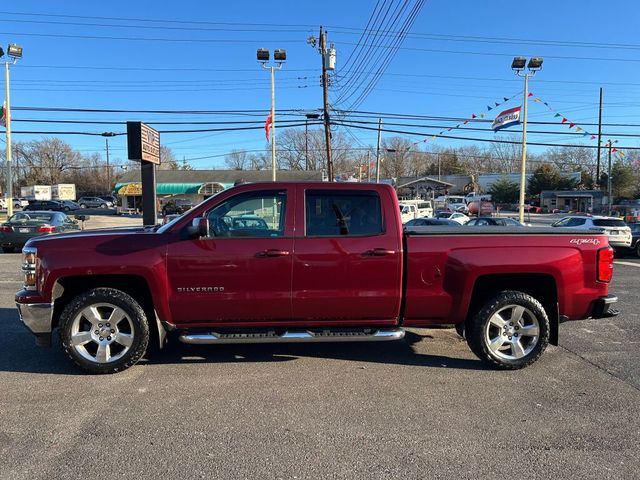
(421, 408)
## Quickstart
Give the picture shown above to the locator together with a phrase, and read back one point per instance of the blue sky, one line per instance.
(201, 56)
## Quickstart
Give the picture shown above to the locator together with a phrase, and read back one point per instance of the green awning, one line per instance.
(200, 188)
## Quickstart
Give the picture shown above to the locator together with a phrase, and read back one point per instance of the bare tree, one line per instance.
(239, 160)
(167, 159)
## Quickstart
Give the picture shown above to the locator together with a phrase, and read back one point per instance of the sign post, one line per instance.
(143, 143)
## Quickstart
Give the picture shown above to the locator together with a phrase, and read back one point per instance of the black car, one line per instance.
(54, 205)
(425, 222)
(24, 225)
(177, 206)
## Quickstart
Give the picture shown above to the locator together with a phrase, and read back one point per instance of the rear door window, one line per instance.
(609, 222)
(335, 213)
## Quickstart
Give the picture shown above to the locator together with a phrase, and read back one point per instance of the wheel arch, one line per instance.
(67, 288)
(540, 286)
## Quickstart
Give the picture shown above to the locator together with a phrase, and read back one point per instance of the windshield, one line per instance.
(31, 217)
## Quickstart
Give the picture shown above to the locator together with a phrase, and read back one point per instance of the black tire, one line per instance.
(512, 348)
(136, 324)
(638, 249)
(8, 249)
(66, 209)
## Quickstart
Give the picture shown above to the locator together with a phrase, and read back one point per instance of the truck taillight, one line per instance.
(46, 229)
(29, 259)
(605, 264)
(6, 229)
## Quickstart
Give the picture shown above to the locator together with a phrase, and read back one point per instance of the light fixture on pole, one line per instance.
(14, 52)
(106, 140)
(279, 56)
(518, 66)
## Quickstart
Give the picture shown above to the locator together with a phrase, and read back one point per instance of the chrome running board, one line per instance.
(298, 336)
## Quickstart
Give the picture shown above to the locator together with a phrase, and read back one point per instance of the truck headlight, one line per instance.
(29, 259)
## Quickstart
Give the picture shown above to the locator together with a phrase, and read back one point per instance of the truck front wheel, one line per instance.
(510, 331)
(104, 330)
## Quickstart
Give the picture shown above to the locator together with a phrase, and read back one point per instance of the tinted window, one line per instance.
(609, 222)
(575, 222)
(334, 213)
(254, 214)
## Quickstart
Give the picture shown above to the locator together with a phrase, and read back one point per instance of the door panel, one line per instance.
(242, 272)
(344, 270)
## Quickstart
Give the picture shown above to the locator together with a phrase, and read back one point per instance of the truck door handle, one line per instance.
(272, 253)
(378, 252)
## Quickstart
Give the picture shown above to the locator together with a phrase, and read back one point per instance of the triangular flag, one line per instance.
(482, 115)
(546, 103)
(267, 124)
(489, 108)
(557, 115)
(614, 150)
(537, 100)
(433, 136)
(506, 99)
(621, 154)
(473, 115)
(530, 94)
(578, 129)
(497, 104)
(458, 126)
(571, 125)
(449, 129)
(465, 122)
(593, 137)
(564, 120)
(585, 134)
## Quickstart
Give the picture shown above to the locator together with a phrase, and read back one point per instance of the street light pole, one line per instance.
(9, 194)
(518, 66)
(263, 57)
(15, 52)
(106, 140)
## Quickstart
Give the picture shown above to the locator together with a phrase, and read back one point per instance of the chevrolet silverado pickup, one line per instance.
(326, 262)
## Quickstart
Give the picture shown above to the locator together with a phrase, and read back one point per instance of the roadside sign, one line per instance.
(143, 143)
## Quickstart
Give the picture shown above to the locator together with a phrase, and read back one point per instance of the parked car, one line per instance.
(458, 217)
(54, 205)
(334, 265)
(618, 232)
(177, 205)
(493, 222)
(94, 202)
(425, 222)
(23, 226)
(110, 198)
(17, 203)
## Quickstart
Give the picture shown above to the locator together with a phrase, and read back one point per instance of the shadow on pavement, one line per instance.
(20, 354)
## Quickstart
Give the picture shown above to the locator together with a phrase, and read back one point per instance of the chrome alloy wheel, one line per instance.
(102, 333)
(512, 332)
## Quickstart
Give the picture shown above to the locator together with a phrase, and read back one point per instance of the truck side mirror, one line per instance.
(199, 227)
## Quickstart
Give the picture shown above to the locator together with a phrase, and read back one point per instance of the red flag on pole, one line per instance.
(267, 125)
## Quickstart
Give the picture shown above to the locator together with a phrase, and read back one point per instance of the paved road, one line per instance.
(424, 408)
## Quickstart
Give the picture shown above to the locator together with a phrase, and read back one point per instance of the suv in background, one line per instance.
(110, 198)
(618, 232)
(94, 202)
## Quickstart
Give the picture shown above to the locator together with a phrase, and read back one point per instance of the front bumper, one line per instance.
(604, 307)
(37, 317)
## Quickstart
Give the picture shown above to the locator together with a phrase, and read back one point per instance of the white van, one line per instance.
(421, 208)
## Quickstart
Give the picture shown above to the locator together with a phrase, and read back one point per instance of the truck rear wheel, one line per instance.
(510, 331)
(104, 330)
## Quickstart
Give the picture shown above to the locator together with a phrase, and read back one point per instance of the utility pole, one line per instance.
(106, 136)
(325, 94)
(378, 151)
(599, 139)
(609, 180)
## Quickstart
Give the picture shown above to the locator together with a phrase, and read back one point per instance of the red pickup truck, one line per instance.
(308, 262)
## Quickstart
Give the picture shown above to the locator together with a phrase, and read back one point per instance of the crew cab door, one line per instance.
(241, 272)
(347, 265)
